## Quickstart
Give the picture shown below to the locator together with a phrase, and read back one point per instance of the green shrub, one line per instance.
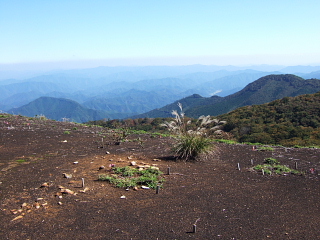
(271, 161)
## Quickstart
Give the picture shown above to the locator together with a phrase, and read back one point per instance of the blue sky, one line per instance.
(162, 32)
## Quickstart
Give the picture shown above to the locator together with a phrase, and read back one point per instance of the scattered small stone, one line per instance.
(135, 188)
(145, 187)
(76, 162)
(14, 211)
(16, 218)
(24, 205)
(67, 175)
(107, 152)
(43, 185)
(59, 203)
(133, 163)
(102, 167)
(37, 205)
(84, 190)
(67, 191)
(123, 197)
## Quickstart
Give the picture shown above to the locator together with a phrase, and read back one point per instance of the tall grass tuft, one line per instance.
(192, 139)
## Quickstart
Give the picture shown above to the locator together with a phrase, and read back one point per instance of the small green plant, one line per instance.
(21, 160)
(66, 132)
(74, 128)
(271, 161)
(225, 141)
(265, 149)
(127, 177)
(41, 117)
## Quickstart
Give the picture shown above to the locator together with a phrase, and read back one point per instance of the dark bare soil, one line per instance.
(224, 202)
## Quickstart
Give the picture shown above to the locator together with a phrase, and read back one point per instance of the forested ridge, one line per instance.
(288, 121)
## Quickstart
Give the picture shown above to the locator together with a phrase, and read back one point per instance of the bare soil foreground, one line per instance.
(224, 202)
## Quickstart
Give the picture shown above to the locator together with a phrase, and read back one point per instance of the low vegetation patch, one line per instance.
(129, 177)
(265, 149)
(273, 166)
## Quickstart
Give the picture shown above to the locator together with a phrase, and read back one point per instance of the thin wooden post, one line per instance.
(262, 171)
(194, 230)
(168, 171)
(238, 165)
(251, 161)
(82, 182)
(296, 165)
(157, 189)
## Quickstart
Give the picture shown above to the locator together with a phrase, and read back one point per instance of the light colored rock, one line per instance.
(66, 175)
(46, 184)
(67, 191)
(16, 218)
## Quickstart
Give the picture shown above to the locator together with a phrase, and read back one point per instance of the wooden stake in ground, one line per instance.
(194, 227)
(168, 171)
(238, 165)
(83, 182)
(157, 189)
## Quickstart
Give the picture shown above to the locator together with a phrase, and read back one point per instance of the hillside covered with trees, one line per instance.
(290, 121)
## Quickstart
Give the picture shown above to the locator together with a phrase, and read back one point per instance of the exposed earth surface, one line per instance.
(40, 158)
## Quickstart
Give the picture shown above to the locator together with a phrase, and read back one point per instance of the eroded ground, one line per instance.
(225, 203)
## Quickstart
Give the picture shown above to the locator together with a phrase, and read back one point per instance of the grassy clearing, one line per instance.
(129, 177)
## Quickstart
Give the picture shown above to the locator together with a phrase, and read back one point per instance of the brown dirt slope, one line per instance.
(225, 203)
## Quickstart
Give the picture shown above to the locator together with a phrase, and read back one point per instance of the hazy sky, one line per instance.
(162, 32)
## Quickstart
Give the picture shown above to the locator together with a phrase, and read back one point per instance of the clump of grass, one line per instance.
(191, 142)
(66, 132)
(128, 177)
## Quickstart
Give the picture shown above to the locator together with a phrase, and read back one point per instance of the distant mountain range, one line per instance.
(263, 90)
(57, 109)
(122, 92)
